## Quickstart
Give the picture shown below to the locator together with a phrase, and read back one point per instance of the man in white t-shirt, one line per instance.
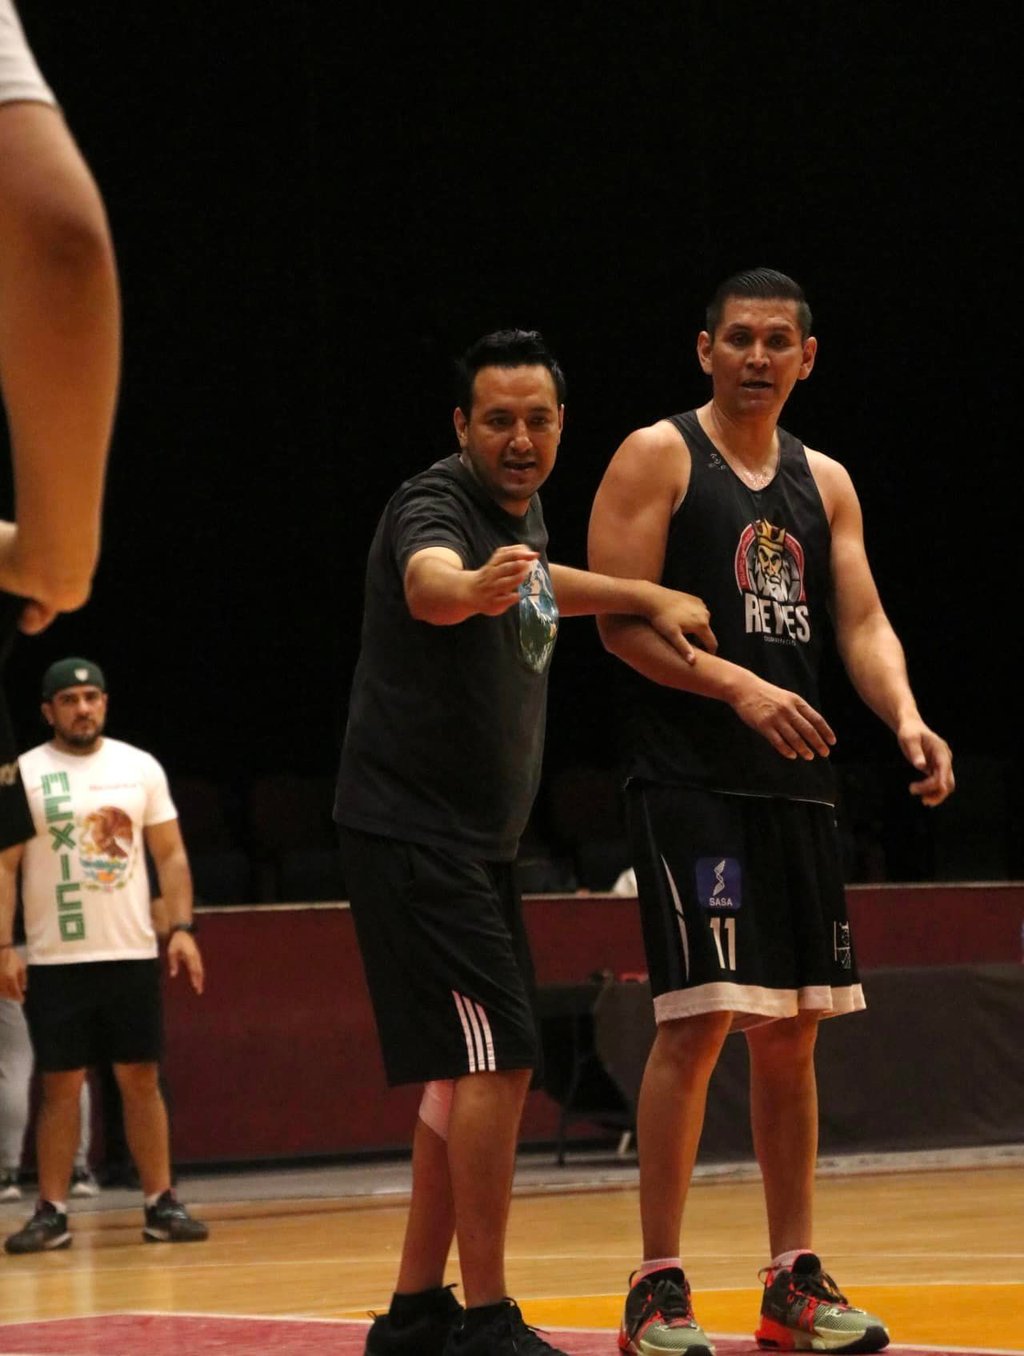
(91, 987)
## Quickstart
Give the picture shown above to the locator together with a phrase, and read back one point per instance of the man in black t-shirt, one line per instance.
(730, 802)
(439, 769)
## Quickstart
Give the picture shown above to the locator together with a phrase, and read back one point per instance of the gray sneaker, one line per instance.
(46, 1230)
(83, 1183)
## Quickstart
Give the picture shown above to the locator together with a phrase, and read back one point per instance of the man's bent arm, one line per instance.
(59, 357)
(441, 591)
(791, 725)
(674, 615)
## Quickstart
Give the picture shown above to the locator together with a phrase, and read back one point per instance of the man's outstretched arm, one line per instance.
(440, 590)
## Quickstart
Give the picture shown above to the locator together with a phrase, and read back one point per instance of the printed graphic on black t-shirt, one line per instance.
(538, 618)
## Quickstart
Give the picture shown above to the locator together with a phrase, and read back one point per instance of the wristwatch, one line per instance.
(191, 928)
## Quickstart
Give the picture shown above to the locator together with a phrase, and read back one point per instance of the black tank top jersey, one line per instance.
(760, 561)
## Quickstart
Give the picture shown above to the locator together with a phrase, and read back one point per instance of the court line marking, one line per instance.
(944, 1350)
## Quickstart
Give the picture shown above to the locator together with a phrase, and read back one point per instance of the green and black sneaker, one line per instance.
(802, 1310)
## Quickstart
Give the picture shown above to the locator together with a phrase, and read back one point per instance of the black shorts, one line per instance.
(90, 1012)
(446, 958)
(742, 905)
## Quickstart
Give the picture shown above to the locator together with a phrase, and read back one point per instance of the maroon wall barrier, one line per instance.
(279, 1057)
(970, 924)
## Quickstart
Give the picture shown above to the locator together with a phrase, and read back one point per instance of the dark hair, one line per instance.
(505, 348)
(766, 284)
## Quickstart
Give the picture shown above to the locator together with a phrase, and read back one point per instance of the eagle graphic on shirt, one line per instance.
(107, 848)
(538, 618)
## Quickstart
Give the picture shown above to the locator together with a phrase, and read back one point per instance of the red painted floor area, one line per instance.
(202, 1335)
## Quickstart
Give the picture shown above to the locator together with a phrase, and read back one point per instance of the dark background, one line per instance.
(316, 207)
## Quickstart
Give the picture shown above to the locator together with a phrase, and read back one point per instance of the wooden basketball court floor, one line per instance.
(296, 1261)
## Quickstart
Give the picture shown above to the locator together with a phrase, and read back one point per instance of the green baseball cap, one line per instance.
(72, 673)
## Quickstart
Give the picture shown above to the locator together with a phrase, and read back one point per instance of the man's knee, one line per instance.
(436, 1106)
(62, 1087)
(138, 1080)
(789, 1039)
(692, 1042)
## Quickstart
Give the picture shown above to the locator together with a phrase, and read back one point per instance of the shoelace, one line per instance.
(818, 1284)
(536, 1341)
(669, 1299)
(170, 1210)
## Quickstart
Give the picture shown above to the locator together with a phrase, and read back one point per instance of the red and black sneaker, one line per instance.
(803, 1310)
(659, 1320)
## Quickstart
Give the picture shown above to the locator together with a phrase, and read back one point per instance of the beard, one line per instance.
(776, 586)
(82, 738)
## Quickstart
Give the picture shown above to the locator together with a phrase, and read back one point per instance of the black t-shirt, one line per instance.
(760, 559)
(446, 723)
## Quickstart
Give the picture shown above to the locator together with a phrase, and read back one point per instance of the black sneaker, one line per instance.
(802, 1309)
(425, 1336)
(169, 1222)
(10, 1190)
(506, 1335)
(658, 1319)
(47, 1229)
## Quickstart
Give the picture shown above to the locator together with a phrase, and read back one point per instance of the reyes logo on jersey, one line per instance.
(770, 578)
(719, 884)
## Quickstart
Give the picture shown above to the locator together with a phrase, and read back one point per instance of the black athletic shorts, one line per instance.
(88, 1013)
(446, 958)
(742, 905)
(15, 816)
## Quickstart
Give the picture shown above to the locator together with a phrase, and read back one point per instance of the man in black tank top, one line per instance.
(730, 795)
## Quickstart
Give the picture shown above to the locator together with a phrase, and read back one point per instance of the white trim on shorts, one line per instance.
(751, 1004)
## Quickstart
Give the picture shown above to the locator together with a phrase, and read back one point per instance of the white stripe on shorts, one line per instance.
(680, 920)
(752, 1004)
(477, 1031)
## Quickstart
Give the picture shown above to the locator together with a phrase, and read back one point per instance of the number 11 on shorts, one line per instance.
(730, 940)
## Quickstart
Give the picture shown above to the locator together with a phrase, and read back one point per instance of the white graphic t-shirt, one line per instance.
(19, 74)
(83, 877)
